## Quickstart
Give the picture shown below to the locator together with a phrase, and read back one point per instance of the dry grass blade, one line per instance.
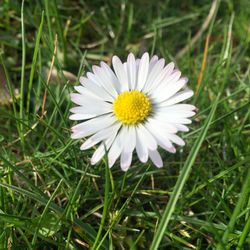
(202, 29)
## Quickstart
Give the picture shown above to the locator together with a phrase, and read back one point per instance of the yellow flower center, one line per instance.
(132, 107)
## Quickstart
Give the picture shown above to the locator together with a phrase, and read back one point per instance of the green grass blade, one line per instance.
(244, 235)
(11, 91)
(22, 75)
(244, 196)
(33, 242)
(105, 206)
(46, 3)
(34, 60)
(182, 180)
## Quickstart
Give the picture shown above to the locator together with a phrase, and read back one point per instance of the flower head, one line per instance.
(135, 107)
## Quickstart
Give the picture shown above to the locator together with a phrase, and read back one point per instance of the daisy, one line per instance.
(132, 107)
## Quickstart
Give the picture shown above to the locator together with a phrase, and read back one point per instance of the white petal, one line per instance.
(160, 78)
(175, 114)
(167, 126)
(167, 71)
(168, 81)
(100, 152)
(101, 135)
(95, 89)
(160, 135)
(92, 78)
(120, 73)
(126, 159)
(142, 71)
(82, 90)
(178, 107)
(154, 73)
(173, 120)
(129, 140)
(169, 90)
(181, 127)
(171, 150)
(91, 110)
(156, 158)
(132, 71)
(92, 126)
(114, 152)
(89, 101)
(116, 147)
(170, 67)
(111, 76)
(101, 75)
(176, 139)
(179, 97)
(152, 62)
(141, 148)
(146, 137)
(78, 117)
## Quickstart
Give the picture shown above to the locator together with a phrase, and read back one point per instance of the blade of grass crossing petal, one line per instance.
(34, 60)
(182, 180)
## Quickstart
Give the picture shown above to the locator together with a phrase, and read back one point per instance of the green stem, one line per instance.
(105, 207)
(22, 75)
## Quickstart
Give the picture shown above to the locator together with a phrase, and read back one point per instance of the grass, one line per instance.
(50, 195)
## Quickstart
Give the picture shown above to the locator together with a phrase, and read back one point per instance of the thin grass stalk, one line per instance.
(22, 75)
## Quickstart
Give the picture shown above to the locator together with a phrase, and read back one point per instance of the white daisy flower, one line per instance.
(134, 107)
